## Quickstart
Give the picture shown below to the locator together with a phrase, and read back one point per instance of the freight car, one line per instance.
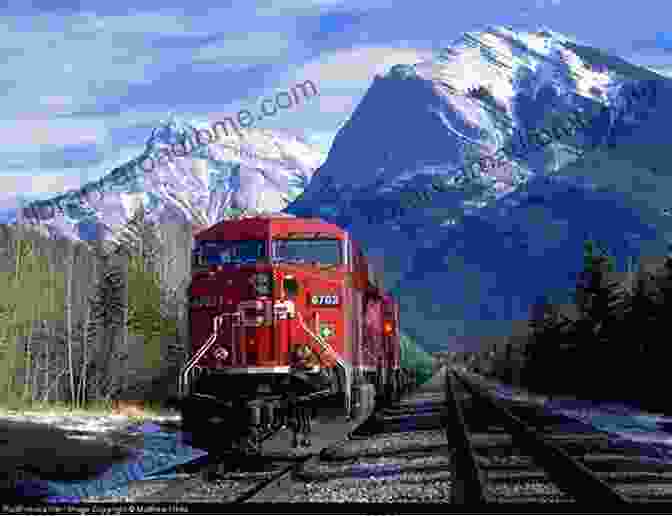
(281, 305)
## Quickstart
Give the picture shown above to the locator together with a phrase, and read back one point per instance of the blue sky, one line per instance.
(84, 84)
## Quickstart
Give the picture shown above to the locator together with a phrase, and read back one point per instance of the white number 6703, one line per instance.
(324, 300)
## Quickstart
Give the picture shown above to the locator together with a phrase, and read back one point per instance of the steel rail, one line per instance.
(468, 485)
(570, 475)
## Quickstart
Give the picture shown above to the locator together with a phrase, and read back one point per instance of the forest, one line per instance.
(609, 344)
(83, 324)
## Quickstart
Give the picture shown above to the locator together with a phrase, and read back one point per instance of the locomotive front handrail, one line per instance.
(323, 344)
(339, 362)
(189, 366)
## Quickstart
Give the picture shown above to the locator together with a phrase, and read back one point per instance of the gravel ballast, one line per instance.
(380, 466)
(390, 443)
(407, 487)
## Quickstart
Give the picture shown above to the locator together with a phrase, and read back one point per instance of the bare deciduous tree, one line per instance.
(68, 318)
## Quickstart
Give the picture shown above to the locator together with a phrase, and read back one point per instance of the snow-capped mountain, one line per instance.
(468, 263)
(257, 170)
(420, 118)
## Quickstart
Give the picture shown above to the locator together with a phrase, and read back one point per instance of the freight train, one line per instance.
(282, 305)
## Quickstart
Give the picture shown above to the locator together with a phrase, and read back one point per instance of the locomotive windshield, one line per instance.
(218, 253)
(320, 250)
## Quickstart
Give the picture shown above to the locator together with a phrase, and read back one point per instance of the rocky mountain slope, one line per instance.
(257, 170)
(468, 263)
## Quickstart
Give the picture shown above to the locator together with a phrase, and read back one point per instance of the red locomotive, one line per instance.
(280, 303)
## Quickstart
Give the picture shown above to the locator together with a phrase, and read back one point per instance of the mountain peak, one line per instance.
(255, 171)
(427, 115)
(470, 257)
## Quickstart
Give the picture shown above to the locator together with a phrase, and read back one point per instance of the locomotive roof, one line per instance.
(261, 225)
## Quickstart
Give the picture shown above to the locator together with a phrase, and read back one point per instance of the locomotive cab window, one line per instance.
(234, 252)
(314, 250)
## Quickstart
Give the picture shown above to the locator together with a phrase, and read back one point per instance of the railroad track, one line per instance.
(399, 454)
(507, 452)
(454, 442)
(231, 478)
(450, 441)
(193, 480)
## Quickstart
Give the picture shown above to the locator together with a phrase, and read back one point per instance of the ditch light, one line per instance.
(220, 353)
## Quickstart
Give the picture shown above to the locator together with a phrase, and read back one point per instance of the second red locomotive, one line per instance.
(268, 289)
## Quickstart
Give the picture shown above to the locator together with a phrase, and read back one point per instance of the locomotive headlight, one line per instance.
(388, 328)
(256, 312)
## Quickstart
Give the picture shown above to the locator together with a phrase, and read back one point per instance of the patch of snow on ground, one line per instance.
(90, 423)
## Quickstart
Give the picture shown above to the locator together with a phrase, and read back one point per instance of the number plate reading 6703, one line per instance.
(324, 300)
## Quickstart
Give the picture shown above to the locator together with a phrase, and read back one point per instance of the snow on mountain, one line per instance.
(475, 256)
(529, 75)
(468, 263)
(256, 170)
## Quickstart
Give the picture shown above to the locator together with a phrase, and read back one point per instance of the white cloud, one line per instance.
(44, 131)
(165, 22)
(321, 139)
(356, 67)
(84, 56)
(337, 104)
(297, 7)
(57, 101)
(243, 46)
(34, 184)
(44, 183)
(342, 78)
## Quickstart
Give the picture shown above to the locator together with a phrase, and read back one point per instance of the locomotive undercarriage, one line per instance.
(241, 409)
(238, 411)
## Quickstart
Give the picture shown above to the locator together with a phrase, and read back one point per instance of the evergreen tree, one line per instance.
(145, 292)
(642, 311)
(150, 305)
(656, 348)
(547, 335)
(107, 313)
(642, 318)
(600, 302)
(664, 284)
